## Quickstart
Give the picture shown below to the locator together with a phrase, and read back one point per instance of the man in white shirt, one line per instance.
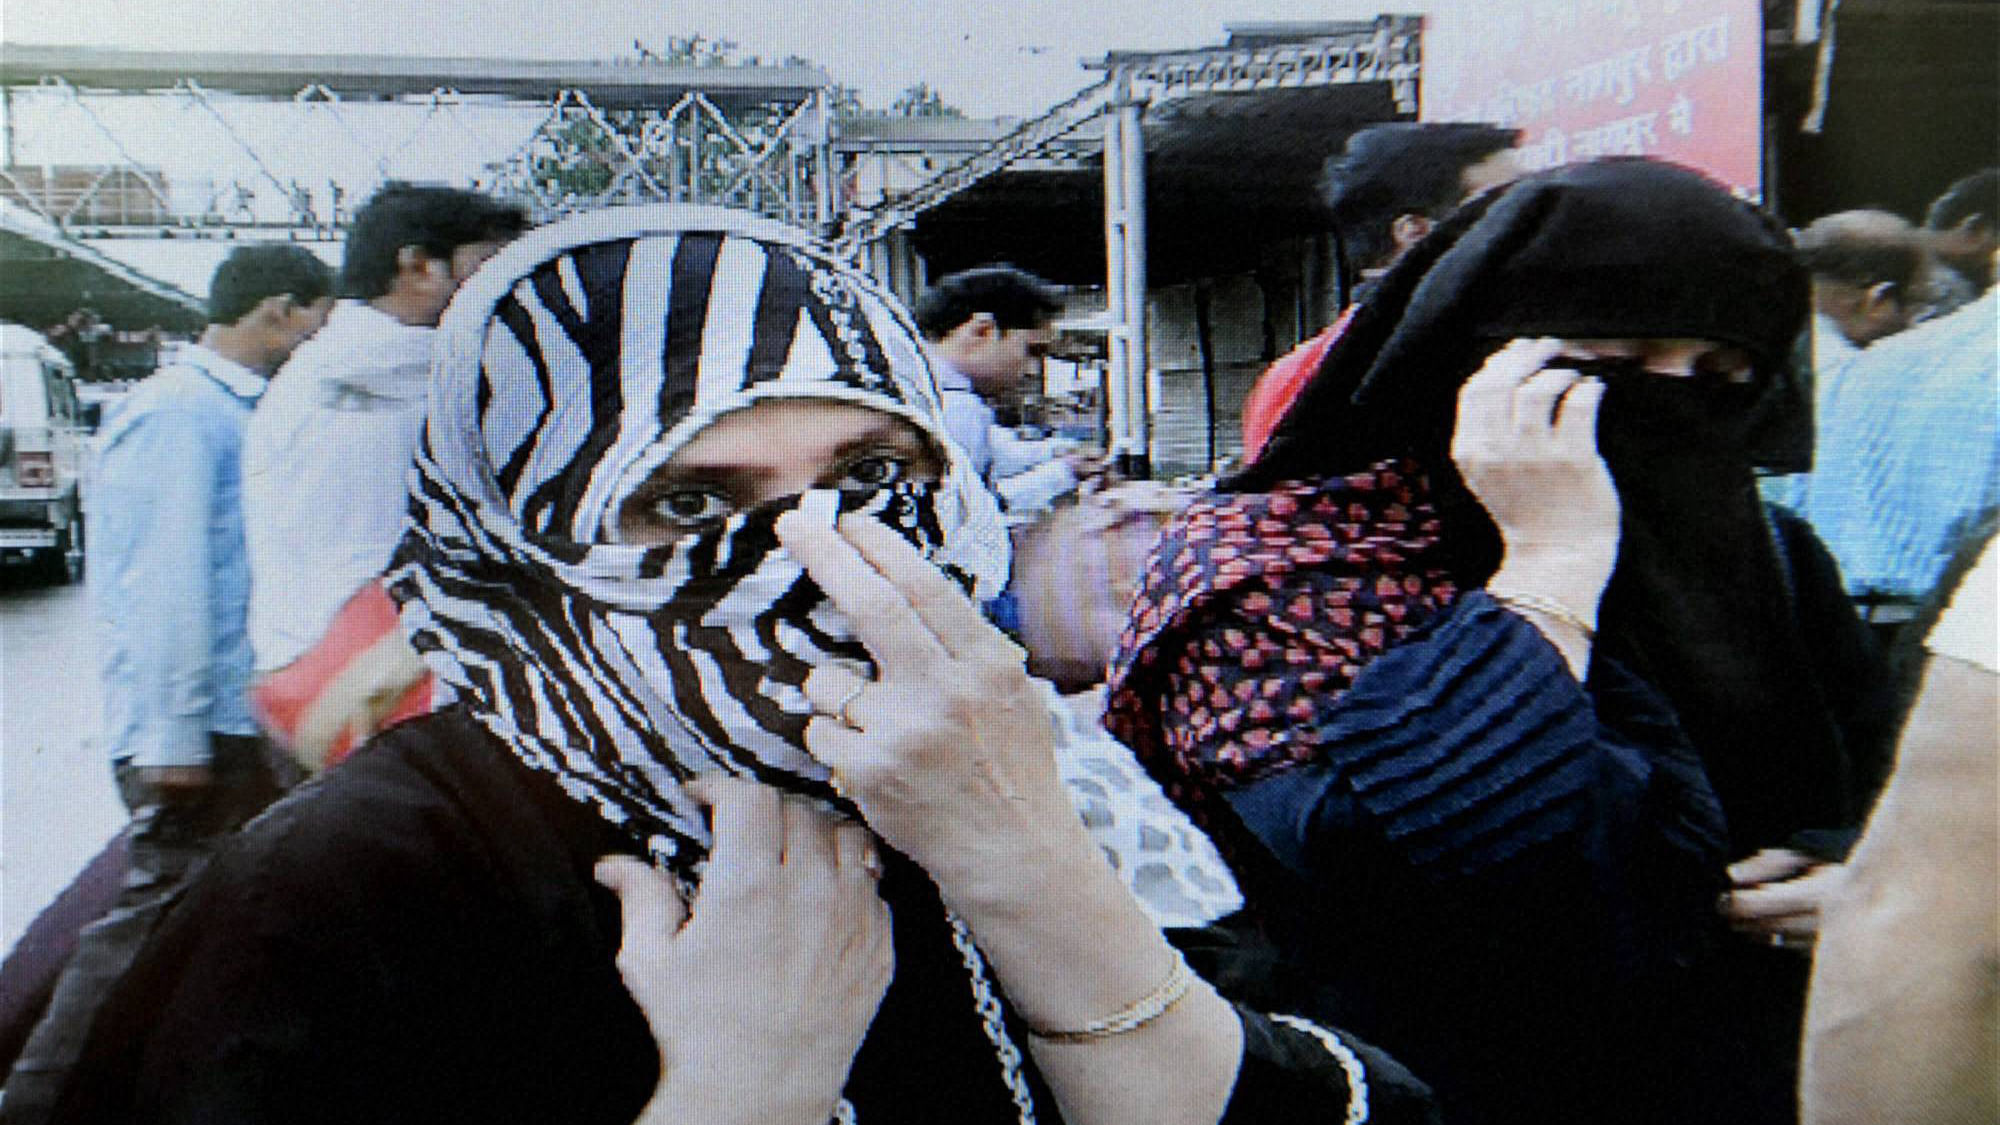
(330, 445)
(988, 330)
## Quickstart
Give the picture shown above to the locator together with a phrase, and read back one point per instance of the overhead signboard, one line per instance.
(1677, 79)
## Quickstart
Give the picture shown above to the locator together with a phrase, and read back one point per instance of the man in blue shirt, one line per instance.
(169, 577)
(1907, 457)
(169, 585)
(988, 330)
(1868, 271)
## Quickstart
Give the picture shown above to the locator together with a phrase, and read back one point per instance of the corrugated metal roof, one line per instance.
(45, 275)
(1225, 173)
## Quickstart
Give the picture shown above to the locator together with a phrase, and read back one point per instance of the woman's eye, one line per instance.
(691, 506)
(874, 472)
(1600, 367)
(1735, 373)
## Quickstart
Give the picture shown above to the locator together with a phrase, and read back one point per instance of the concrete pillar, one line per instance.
(823, 172)
(1129, 407)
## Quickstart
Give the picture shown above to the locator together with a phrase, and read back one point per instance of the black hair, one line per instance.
(435, 220)
(1402, 168)
(1863, 248)
(251, 275)
(1014, 298)
(1975, 196)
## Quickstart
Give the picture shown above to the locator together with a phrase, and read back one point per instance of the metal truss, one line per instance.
(292, 193)
(41, 203)
(1034, 139)
(1390, 52)
(581, 156)
(771, 155)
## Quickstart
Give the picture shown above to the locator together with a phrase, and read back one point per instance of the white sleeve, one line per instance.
(969, 422)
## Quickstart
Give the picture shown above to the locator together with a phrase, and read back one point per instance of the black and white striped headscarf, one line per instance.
(571, 366)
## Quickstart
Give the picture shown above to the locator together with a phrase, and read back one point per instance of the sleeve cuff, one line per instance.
(178, 747)
(1296, 1070)
(1037, 487)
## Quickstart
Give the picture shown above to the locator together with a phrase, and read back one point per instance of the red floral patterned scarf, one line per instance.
(1256, 613)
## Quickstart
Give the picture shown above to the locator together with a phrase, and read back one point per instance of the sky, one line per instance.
(1012, 58)
(989, 57)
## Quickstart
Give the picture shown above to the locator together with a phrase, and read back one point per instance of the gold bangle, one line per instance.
(1161, 1000)
(1548, 607)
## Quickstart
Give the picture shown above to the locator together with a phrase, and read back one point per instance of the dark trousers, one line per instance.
(172, 836)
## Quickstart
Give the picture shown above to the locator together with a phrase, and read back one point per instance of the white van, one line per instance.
(43, 447)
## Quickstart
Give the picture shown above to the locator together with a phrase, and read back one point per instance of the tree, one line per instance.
(922, 101)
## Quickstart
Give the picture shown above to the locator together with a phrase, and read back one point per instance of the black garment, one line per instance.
(1507, 880)
(172, 835)
(1700, 605)
(1591, 982)
(28, 975)
(1610, 249)
(1503, 876)
(417, 937)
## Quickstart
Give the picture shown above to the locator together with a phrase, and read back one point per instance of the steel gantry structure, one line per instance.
(558, 135)
(1109, 122)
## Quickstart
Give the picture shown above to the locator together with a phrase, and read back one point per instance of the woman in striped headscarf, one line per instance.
(691, 547)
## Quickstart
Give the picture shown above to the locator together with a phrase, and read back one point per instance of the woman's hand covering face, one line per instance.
(1525, 443)
(787, 935)
(950, 754)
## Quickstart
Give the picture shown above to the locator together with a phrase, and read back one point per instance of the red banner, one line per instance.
(1677, 79)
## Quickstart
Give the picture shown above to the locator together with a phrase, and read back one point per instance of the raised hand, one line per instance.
(761, 995)
(1525, 443)
(949, 751)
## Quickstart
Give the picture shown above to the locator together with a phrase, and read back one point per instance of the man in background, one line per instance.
(1394, 182)
(1383, 194)
(169, 586)
(1964, 228)
(1867, 269)
(1908, 458)
(324, 471)
(1869, 276)
(989, 330)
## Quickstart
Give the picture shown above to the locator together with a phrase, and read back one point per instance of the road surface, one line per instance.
(57, 802)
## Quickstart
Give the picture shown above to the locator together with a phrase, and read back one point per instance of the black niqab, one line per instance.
(1700, 602)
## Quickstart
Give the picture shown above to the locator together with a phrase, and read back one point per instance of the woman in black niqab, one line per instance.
(1494, 821)
(1702, 604)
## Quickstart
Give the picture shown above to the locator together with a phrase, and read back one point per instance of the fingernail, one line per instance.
(820, 507)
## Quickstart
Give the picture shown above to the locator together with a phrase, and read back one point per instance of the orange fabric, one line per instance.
(1280, 385)
(337, 673)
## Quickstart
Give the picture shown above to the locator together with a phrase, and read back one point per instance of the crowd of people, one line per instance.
(1491, 746)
